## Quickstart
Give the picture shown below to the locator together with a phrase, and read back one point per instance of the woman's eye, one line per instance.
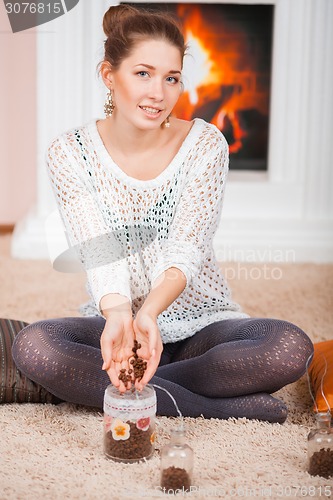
(143, 73)
(172, 79)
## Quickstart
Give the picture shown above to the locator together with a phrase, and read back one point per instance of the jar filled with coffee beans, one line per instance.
(320, 447)
(176, 463)
(129, 424)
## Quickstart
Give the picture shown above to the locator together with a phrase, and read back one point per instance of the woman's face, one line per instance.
(146, 86)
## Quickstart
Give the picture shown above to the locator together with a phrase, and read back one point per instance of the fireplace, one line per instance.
(227, 73)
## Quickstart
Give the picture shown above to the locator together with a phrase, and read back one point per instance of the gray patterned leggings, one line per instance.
(228, 369)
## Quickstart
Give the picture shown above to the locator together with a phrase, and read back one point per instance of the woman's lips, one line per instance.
(151, 112)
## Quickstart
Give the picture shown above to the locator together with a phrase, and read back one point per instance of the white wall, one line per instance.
(285, 214)
(18, 130)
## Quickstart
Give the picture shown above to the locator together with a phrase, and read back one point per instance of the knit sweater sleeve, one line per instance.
(93, 239)
(199, 208)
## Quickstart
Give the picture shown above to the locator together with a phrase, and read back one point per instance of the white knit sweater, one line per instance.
(128, 231)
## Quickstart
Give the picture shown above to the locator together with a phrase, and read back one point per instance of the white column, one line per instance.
(318, 146)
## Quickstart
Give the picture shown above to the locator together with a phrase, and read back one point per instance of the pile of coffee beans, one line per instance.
(321, 463)
(136, 447)
(175, 478)
(138, 367)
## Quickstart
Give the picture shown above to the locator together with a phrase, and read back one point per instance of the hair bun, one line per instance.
(114, 15)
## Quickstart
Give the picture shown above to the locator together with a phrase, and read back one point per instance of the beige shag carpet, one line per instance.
(55, 452)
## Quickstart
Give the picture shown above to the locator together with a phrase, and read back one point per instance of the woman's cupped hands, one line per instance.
(117, 342)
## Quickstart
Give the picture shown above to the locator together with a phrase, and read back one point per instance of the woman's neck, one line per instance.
(127, 139)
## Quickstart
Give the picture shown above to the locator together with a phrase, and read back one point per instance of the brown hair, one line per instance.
(125, 26)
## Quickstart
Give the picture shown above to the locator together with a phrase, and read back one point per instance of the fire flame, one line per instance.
(221, 80)
(197, 67)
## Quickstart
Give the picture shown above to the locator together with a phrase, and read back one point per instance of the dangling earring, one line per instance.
(166, 122)
(109, 105)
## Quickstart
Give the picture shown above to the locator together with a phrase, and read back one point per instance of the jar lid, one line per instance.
(132, 403)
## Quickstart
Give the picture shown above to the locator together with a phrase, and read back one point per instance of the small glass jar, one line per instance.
(176, 463)
(320, 447)
(129, 424)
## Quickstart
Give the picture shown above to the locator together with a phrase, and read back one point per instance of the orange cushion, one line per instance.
(322, 351)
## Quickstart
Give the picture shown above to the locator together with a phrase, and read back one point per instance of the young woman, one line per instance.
(140, 193)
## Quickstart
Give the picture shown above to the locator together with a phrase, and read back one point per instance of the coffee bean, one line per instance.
(138, 369)
(321, 463)
(136, 447)
(175, 478)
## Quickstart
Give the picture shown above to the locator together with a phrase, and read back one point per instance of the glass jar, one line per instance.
(320, 447)
(176, 463)
(129, 424)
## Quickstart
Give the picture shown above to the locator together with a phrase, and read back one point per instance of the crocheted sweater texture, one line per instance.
(128, 231)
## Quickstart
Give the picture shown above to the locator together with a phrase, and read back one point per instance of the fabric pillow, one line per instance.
(14, 386)
(322, 351)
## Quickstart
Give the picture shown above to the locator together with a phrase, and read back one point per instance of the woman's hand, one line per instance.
(117, 341)
(148, 335)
